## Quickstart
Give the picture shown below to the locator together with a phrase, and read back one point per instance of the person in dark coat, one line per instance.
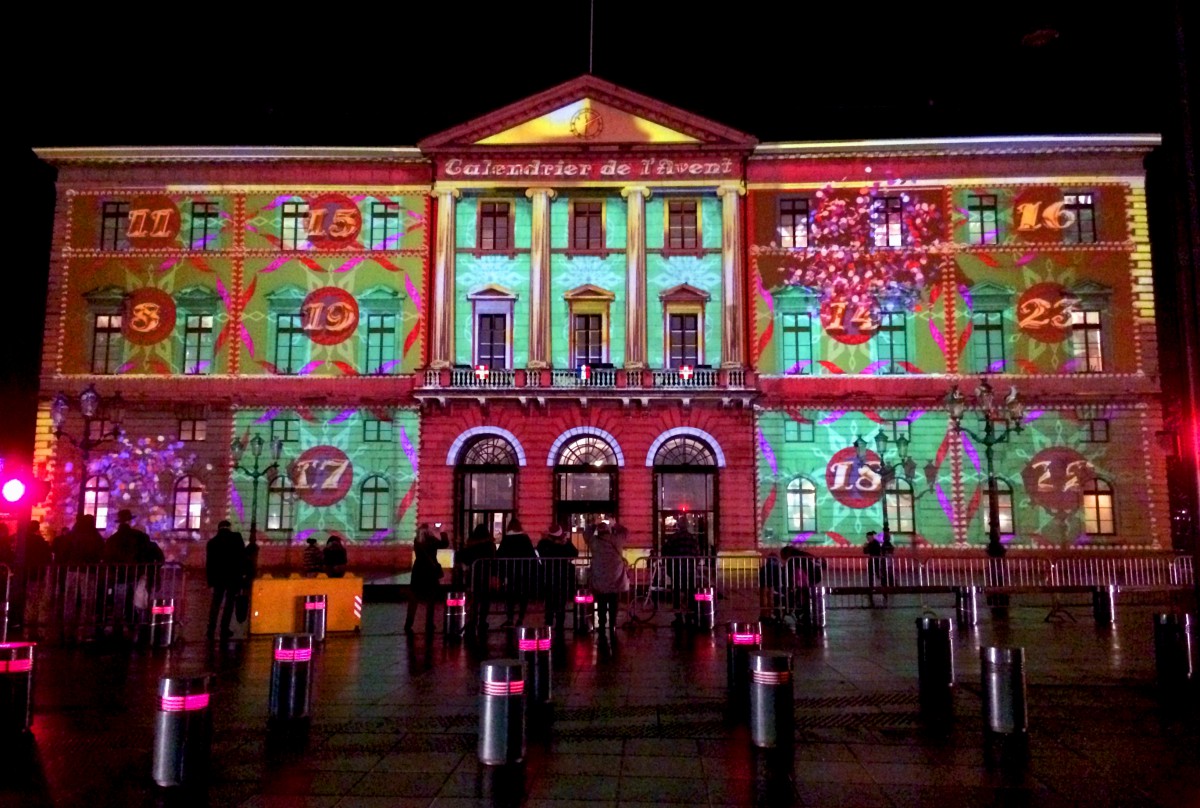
(313, 559)
(683, 547)
(873, 550)
(123, 545)
(424, 586)
(476, 563)
(225, 560)
(37, 550)
(81, 545)
(516, 570)
(335, 557)
(556, 553)
(8, 549)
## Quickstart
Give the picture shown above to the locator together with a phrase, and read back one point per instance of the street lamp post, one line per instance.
(256, 447)
(1010, 412)
(89, 408)
(887, 471)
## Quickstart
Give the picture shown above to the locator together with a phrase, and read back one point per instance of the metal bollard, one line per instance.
(772, 700)
(16, 687)
(162, 622)
(1173, 649)
(818, 595)
(1104, 605)
(966, 605)
(182, 730)
(501, 712)
(3, 621)
(935, 665)
(533, 648)
(290, 697)
(314, 616)
(1005, 711)
(706, 608)
(454, 621)
(585, 612)
(740, 641)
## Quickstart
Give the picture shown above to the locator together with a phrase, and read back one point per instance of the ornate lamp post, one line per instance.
(256, 447)
(1009, 412)
(887, 471)
(89, 407)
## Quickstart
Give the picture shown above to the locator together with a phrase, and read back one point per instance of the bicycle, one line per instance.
(644, 594)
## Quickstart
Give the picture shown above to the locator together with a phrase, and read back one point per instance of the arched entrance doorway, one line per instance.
(486, 485)
(585, 485)
(685, 488)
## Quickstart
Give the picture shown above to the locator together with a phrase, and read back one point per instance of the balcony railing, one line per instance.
(681, 379)
(597, 377)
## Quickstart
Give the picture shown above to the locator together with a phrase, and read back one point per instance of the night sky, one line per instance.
(390, 74)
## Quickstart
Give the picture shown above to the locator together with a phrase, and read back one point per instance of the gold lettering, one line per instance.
(145, 317)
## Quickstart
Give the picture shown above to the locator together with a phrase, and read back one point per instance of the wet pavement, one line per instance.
(643, 720)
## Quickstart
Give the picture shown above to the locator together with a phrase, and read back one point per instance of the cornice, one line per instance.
(227, 154)
(940, 147)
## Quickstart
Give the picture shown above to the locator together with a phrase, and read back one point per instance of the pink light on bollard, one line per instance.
(177, 704)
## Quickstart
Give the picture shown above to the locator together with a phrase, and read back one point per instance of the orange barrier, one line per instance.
(277, 604)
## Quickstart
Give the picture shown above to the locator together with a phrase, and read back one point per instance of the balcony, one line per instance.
(671, 382)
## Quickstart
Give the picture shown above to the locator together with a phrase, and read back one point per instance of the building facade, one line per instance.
(589, 305)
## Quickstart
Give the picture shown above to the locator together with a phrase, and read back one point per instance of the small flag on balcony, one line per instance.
(686, 372)
(482, 372)
(585, 372)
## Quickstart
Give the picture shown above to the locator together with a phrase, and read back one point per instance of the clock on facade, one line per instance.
(587, 124)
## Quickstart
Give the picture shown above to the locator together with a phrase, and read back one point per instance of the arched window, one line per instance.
(375, 504)
(1004, 499)
(281, 503)
(685, 473)
(95, 499)
(901, 507)
(801, 506)
(1099, 511)
(189, 504)
(487, 475)
(585, 473)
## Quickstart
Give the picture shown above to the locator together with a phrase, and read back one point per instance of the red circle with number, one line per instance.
(322, 475)
(149, 316)
(854, 483)
(1055, 478)
(848, 322)
(1044, 312)
(333, 221)
(329, 315)
(153, 221)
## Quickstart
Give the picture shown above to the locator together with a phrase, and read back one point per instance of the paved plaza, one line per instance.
(642, 721)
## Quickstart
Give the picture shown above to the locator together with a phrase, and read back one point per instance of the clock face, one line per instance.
(587, 124)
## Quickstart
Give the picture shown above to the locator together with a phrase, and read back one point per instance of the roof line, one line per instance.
(1009, 143)
(143, 154)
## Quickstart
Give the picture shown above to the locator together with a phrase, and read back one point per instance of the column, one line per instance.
(733, 327)
(635, 277)
(441, 310)
(539, 279)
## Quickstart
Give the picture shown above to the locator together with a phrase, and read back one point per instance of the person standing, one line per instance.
(887, 556)
(516, 548)
(122, 548)
(609, 575)
(424, 586)
(873, 550)
(476, 563)
(684, 549)
(224, 567)
(314, 559)
(560, 573)
(335, 557)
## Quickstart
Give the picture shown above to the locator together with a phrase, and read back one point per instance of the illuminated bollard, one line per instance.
(290, 698)
(741, 639)
(706, 608)
(533, 648)
(162, 622)
(501, 712)
(182, 730)
(966, 606)
(1104, 605)
(454, 622)
(314, 616)
(3, 621)
(817, 597)
(935, 666)
(1005, 711)
(585, 612)
(772, 700)
(16, 688)
(1173, 649)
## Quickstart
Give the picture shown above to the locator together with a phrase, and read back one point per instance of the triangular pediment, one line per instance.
(589, 292)
(588, 111)
(493, 291)
(684, 293)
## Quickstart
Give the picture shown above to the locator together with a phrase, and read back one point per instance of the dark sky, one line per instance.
(384, 74)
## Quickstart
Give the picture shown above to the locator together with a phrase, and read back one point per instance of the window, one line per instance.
(290, 342)
(1095, 430)
(114, 218)
(486, 481)
(285, 429)
(587, 226)
(1083, 229)
(377, 431)
(797, 338)
(293, 231)
(205, 225)
(197, 344)
(683, 228)
(891, 343)
(900, 506)
(793, 223)
(896, 428)
(1004, 499)
(1099, 515)
(95, 500)
(375, 503)
(798, 431)
(987, 341)
(385, 226)
(1087, 341)
(686, 484)
(495, 226)
(281, 503)
(192, 429)
(683, 342)
(491, 341)
(983, 220)
(887, 214)
(802, 506)
(587, 337)
(189, 504)
(381, 343)
(101, 429)
(108, 346)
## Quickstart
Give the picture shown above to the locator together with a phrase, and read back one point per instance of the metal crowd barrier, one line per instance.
(493, 583)
(4, 602)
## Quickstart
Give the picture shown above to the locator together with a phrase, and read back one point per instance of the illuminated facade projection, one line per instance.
(592, 305)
